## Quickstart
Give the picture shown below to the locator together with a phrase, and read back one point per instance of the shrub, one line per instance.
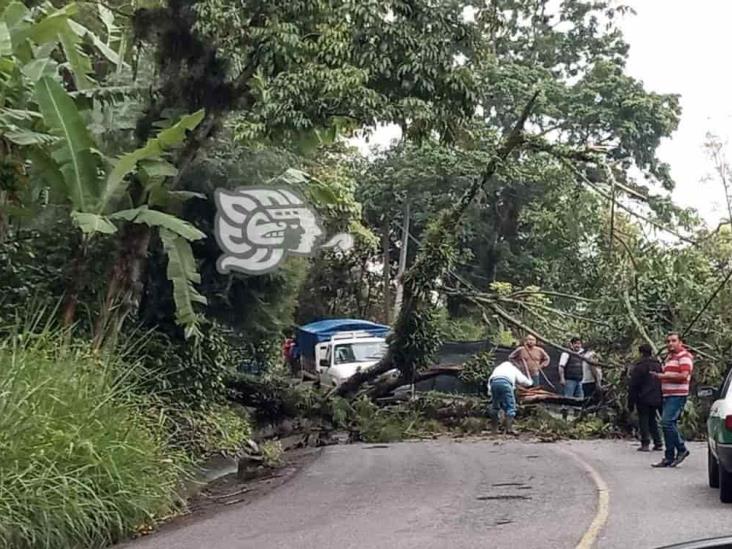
(185, 372)
(80, 465)
(201, 432)
(375, 424)
(477, 369)
(272, 453)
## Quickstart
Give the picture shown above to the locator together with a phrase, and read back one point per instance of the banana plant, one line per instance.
(97, 188)
(34, 43)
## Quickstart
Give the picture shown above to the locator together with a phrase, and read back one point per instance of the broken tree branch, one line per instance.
(511, 320)
(642, 217)
(636, 322)
(431, 265)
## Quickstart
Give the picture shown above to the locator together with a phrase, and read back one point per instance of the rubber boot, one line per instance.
(509, 426)
(494, 422)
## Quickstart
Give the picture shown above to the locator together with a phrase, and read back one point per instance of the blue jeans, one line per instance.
(573, 388)
(672, 408)
(536, 378)
(503, 398)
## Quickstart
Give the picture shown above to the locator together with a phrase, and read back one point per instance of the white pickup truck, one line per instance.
(335, 349)
(346, 353)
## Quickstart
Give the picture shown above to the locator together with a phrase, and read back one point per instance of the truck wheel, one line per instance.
(725, 485)
(712, 469)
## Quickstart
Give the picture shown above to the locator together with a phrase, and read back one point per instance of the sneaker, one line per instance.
(681, 457)
(658, 447)
(644, 448)
(663, 463)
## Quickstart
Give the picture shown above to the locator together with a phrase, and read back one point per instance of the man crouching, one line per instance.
(501, 386)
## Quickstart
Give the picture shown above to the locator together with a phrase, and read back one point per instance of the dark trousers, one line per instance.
(648, 425)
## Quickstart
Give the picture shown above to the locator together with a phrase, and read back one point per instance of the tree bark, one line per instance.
(75, 282)
(126, 282)
(402, 261)
(386, 273)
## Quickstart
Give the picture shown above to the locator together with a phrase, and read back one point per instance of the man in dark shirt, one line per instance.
(644, 393)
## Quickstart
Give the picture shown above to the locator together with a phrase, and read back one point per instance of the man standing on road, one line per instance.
(501, 386)
(591, 373)
(675, 381)
(570, 370)
(644, 393)
(530, 357)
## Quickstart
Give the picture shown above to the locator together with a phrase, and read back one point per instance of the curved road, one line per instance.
(482, 493)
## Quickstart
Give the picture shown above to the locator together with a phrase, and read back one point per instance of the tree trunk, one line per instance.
(386, 258)
(75, 283)
(431, 264)
(402, 261)
(125, 283)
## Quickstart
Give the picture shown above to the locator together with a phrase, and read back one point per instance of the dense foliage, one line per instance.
(525, 195)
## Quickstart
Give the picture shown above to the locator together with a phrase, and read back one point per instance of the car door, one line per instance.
(325, 373)
(716, 430)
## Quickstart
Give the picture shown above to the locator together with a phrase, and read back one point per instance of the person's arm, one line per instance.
(515, 353)
(545, 360)
(686, 365)
(597, 374)
(522, 380)
(563, 359)
(635, 379)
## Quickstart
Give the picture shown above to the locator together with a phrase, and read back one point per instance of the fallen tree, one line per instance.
(415, 339)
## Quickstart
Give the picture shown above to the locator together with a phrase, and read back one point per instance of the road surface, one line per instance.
(483, 493)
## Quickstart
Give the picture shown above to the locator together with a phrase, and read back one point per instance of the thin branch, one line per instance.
(555, 294)
(627, 209)
(511, 320)
(636, 322)
(486, 298)
(558, 312)
(541, 317)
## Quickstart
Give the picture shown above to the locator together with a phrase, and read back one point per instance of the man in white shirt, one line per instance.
(502, 385)
(591, 374)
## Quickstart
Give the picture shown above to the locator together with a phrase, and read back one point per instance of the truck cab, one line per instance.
(345, 354)
(334, 349)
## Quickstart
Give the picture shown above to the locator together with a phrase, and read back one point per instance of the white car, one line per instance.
(345, 354)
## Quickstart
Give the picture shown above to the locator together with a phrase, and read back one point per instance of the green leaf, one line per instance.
(323, 195)
(75, 158)
(26, 138)
(58, 27)
(78, 61)
(43, 66)
(6, 44)
(158, 168)
(46, 172)
(103, 48)
(153, 149)
(182, 273)
(292, 177)
(20, 115)
(155, 218)
(90, 223)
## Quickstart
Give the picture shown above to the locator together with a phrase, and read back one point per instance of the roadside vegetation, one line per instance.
(524, 196)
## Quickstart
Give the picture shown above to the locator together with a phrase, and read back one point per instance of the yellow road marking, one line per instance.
(603, 502)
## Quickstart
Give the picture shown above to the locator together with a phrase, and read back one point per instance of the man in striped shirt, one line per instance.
(675, 381)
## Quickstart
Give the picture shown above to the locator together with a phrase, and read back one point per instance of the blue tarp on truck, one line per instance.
(309, 335)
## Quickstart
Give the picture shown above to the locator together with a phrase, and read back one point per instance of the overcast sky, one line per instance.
(683, 47)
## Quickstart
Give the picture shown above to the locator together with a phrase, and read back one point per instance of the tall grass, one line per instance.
(81, 464)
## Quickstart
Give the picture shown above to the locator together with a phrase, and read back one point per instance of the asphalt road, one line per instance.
(469, 494)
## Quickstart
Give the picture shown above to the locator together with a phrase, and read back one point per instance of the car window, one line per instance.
(725, 386)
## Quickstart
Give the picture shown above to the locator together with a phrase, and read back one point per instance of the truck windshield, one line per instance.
(359, 352)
